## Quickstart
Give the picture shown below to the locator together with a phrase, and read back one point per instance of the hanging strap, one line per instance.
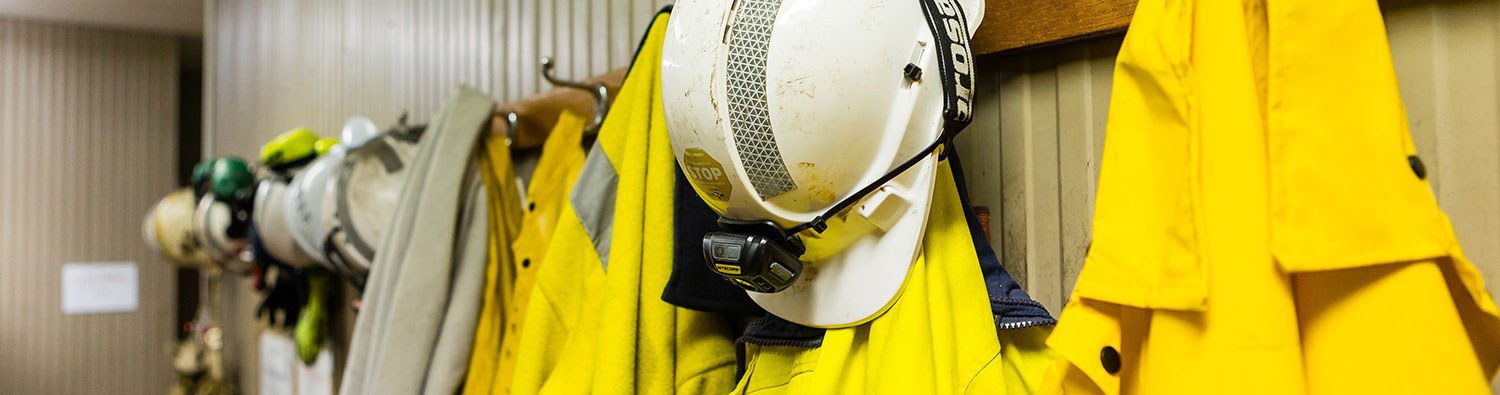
(950, 33)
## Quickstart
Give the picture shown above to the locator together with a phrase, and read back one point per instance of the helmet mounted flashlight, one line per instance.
(754, 255)
(760, 256)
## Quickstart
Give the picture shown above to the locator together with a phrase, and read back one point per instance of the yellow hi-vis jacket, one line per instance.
(596, 323)
(940, 337)
(1263, 224)
(515, 257)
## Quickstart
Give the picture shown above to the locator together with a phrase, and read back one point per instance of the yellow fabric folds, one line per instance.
(596, 323)
(938, 338)
(1263, 225)
(498, 336)
(562, 158)
(504, 224)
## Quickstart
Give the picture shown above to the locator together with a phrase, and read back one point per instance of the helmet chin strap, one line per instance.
(761, 256)
(950, 30)
(820, 223)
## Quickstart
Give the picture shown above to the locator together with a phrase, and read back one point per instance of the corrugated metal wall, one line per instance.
(1032, 154)
(279, 64)
(88, 142)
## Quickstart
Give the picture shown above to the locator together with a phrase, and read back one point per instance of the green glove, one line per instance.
(312, 325)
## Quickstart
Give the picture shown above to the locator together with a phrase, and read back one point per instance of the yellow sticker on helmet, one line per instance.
(706, 174)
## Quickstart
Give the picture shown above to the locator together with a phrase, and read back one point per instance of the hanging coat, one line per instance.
(596, 323)
(421, 303)
(961, 326)
(518, 245)
(1263, 224)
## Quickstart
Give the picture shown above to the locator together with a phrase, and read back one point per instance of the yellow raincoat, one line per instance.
(940, 337)
(1263, 225)
(596, 323)
(515, 257)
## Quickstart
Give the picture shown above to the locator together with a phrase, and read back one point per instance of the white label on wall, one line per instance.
(318, 378)
(277, 351)
(282, 373)
(100, 287)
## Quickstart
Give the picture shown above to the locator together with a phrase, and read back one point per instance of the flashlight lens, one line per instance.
(752, 262)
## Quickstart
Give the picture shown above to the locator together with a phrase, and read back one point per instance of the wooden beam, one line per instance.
(1011, 25)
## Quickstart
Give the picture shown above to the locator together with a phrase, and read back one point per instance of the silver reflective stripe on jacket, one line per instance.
(595, 204)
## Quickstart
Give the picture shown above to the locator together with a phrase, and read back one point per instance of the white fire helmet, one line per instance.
(363, 195)
(169, 229)
(308, 195)
(789, 116)
(303, 208)
(271, 225)
(213, 220)
(357, 131)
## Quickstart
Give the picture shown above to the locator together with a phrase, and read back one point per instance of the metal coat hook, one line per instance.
(510, 126)
(600, 92)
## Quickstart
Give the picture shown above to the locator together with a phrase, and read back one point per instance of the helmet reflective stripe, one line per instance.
(749, 115)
